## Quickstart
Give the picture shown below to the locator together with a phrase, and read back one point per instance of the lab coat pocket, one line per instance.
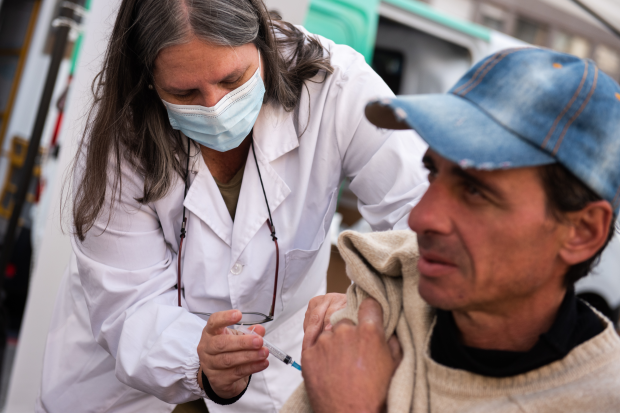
(298, 262)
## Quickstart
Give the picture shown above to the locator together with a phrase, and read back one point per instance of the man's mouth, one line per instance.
(434, 265)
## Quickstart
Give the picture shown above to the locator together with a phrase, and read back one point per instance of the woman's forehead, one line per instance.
(200, 60)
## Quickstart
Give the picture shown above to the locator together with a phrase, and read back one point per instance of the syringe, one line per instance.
(276, 352)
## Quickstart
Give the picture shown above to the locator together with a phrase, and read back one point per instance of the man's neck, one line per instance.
(511, 326)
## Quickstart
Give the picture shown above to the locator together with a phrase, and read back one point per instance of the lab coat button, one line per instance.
(236, 269)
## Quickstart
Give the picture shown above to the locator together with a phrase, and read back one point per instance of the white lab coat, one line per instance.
(119, 343)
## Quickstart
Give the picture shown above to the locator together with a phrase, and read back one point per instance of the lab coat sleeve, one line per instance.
(128, 275)
(384, 167)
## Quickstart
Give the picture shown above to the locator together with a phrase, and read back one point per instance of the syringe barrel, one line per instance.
(277, 353)
(273, 350)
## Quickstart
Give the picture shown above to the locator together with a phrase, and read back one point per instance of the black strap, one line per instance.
(217, 399)
(272, 227)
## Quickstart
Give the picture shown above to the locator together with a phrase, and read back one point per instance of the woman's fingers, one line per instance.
(226, 378)
(258, 329)
(231, 360)
(231, 382)
(219, 321)
(228, 356)
(225, 343)
(251, 368)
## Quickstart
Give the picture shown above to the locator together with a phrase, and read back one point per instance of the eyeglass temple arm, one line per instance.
(272, 229)
(275, 285)
(183, 226)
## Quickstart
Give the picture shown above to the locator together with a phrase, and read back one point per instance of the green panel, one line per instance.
(427, 12)
(78, 44)
(350, 22)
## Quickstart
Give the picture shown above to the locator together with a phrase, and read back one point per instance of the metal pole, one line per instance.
(58, 52)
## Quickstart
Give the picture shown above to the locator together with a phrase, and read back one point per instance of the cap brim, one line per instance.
(458, 130)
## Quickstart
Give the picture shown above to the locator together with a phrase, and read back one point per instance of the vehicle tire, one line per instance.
(597, 302)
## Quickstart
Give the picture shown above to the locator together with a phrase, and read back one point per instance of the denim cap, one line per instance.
(521, 108)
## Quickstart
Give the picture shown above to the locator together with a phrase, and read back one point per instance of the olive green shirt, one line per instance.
(230, 192)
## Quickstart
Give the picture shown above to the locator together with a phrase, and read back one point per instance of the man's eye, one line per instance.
(431, 175)
(473, 190)
(431, 169)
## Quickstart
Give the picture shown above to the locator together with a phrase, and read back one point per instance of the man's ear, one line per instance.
(588, 230)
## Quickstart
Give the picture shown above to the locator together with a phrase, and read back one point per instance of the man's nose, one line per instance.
(431, 214)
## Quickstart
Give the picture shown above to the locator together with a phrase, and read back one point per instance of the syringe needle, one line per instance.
(273, 350)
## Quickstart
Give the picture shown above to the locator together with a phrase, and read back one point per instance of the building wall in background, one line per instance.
(557, 24)
(293, 11)
(463, 9)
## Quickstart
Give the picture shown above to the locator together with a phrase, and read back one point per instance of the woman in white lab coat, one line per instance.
(209, 170)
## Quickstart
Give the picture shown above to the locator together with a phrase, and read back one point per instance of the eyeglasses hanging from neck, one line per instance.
(248, 318)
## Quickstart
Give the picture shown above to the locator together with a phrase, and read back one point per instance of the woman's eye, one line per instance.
(232, 83)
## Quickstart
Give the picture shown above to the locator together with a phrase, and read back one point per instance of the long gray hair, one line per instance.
(128, 120)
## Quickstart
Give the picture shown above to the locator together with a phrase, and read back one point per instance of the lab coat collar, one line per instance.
(205, 201)
(275, 132)
(252, 213)
(274, 135)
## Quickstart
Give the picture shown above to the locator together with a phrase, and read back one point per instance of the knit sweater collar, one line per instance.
(575, 323)
(582, 360)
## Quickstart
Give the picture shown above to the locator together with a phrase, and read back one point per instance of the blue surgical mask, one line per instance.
(224, 126)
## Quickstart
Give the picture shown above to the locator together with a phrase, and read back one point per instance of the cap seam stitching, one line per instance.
(581, 109)
(568, 106)
(475, 76)
(487, 71)
(489, 60)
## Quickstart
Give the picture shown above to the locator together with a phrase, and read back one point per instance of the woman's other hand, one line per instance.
(228, 359)
(320, 310)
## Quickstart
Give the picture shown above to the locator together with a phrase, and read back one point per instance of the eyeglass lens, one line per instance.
(247, 319)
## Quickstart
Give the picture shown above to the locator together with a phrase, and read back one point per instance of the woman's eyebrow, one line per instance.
(234, 75)
(231, 77)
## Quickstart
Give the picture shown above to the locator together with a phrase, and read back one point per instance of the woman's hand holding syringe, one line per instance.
(228, 358)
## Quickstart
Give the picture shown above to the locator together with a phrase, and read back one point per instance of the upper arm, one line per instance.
(384, 166)
(126, 235)
(124, 261)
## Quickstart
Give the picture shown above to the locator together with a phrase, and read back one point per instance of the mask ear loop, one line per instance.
(183, 225)
(272, 228)
(260, 65)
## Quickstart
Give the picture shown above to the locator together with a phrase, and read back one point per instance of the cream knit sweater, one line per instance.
(383, 265)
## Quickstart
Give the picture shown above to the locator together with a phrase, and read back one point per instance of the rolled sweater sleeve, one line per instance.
(128, 274)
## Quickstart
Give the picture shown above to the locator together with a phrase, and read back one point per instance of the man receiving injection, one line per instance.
(524, 194)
